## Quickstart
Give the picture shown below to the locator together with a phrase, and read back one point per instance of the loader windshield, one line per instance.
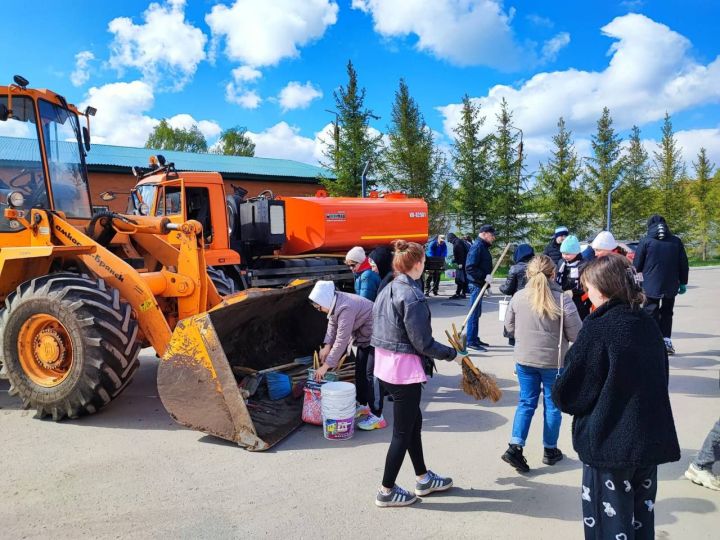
(20, 158)
(66, 160)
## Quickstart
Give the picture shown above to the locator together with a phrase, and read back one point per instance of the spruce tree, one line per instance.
(556, 196)
(507, 212)
(704, 200)
(669, 173)
(634, 196)
(411, 163)
(353, 146)
(470, 155)
(603, 171)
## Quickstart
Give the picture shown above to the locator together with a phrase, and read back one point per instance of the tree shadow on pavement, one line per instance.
(692, 335)
(695, 360)
(462, 420)
(667, 508)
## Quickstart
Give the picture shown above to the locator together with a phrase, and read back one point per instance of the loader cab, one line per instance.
(42, 160)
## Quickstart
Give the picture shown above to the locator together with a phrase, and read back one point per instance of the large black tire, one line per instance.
(101, 331)
(225, 285)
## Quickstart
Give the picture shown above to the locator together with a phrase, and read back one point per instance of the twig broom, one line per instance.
(474, 383)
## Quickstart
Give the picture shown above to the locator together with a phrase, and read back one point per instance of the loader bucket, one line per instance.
(252, 330)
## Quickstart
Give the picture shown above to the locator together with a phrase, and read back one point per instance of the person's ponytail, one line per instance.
(539, 271)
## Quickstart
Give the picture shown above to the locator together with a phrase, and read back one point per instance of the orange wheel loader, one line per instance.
(82, 294)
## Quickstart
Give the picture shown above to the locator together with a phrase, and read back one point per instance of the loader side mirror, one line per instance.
(86, 138)
(4, 112)
(108, 196)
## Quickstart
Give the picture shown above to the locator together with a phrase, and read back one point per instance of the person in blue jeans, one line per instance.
(478, 267)
(544, 322)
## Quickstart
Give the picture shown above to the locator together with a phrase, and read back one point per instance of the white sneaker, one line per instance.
(702, 477)
(362, 410)
(371, 422)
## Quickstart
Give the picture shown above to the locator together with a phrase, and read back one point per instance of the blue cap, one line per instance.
(570, 245)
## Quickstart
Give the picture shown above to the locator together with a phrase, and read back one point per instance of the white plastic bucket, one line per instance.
(338, 410)
(502, 309)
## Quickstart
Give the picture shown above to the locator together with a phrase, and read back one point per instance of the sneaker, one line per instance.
(551, 456)
(481, 342)
(432, 483)
(476, 347)
(702, 477)
(397, 497)
(435, 293)
(669, 347)
(371, 422)
(362, 410)
(455, 297)
(514, 457)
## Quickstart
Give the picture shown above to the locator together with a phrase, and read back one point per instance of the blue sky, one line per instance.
(272, 65)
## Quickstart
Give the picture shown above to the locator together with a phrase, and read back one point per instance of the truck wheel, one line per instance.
(69, 343)
(225, 285)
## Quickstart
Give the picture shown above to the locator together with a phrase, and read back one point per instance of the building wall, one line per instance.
(123, 183)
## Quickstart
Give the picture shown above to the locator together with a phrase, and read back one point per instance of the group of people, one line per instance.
(585, 325)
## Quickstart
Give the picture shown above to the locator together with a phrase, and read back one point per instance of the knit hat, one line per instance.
(561, 231)
(604, 240)
(356, 254)
(570, 245)
(323, 293)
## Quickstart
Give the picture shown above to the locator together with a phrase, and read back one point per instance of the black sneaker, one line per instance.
(397, 497)
(433, 483)
(481, 342)
(514, 457)
(551, 456)
(476, 347)
(455, 297)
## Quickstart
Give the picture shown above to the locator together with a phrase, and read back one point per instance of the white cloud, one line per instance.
(237, 92)
(690, 142)
(81, 74)
(554, 45)
(122, 117)
(284, 141)
(298, 96)
(650, 71)
(165, 48)
(464, 32)
(539, 20)
(208, 128)
(246, 74)
(261, 33)
(247, 99)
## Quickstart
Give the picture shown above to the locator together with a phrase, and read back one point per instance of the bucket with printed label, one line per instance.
(338, 410)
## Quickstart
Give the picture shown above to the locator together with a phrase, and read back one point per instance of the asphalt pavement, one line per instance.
(131, 472)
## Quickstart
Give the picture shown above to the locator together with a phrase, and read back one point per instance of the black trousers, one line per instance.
(461, 282)
(407, 429)
(367, 386)
(619, 503)
(662, 311)
(433, 280)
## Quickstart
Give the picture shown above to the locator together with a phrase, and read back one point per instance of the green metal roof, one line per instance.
(106, 157)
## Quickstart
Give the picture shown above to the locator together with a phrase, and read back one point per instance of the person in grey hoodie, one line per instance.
(543, 321)
(350, 320)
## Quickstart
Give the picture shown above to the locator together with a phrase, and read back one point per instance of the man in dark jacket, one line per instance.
(552, 250)
(663, 262)
(460, 251)
(437, 249)
(478, 266)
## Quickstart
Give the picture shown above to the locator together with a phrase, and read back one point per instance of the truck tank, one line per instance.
(336, 224)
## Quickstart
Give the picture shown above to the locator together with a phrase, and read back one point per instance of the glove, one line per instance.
(682, 289)
(459, 356)
(460, 266)
(488, 279)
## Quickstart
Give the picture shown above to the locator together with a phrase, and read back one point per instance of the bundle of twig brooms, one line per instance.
(474, 383)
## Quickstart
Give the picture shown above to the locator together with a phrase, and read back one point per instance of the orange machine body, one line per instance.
(336, 224)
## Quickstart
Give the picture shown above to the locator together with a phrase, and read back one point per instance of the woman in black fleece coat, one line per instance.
(615, 385)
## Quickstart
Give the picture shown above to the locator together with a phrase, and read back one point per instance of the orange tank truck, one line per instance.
(336, 224)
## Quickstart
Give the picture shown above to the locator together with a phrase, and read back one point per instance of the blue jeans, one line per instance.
(472, 325)
(531, 380)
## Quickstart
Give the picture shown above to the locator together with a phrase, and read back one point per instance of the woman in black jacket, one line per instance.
(615, 385)
(404, 349)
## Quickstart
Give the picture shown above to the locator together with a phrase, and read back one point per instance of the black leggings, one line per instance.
(662, 311)
(407, 428)
(367, 385)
